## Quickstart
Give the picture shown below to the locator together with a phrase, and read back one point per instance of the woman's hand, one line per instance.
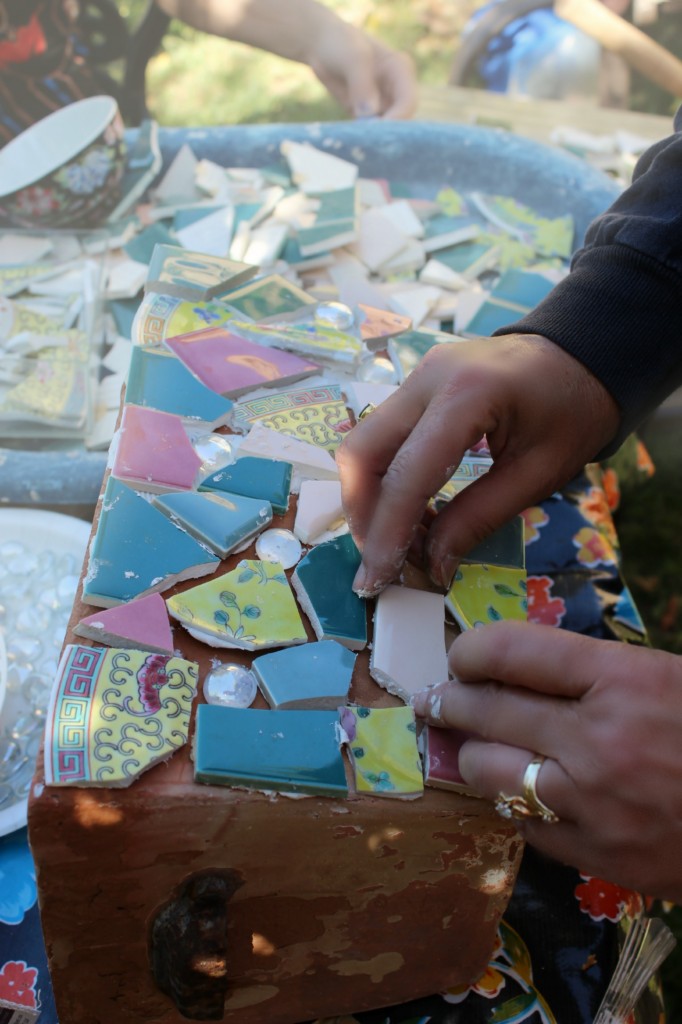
(543, 413)
(608, 718)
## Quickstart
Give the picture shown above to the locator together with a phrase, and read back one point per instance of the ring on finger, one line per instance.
(529, 805)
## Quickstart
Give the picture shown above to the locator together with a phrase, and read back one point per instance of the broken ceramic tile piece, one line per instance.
(161, 316)
(115, 713)
(307, 338)
(153, 451)
(137, 551)
(315, 171)
(487, 593)
(284, 751)
(194, 276)
(441, 749)
(270, 298)
(315, 414)
(231, 365)
(222, 523)
(157, 380)
(319, 510)
(323, 582)
(142, 624)
(252, 608)
(506, 546)
(377, 325)
(382, 743)
(408, 349)
(314, 675)
(309, 461)
(408, 651)
(267, 479)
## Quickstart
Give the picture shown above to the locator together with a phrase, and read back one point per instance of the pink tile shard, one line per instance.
(142, 624)
(153, 451)
(232, 366)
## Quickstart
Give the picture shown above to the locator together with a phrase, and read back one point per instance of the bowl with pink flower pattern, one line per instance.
(66, 169)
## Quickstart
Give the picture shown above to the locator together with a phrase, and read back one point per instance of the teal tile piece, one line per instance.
(338, 205)
(188, 215)
(137, 550)
(443, 224)
(522, 287)
(489, 317)
(323, 581)
(123, 312)
(286, 751)
(252, 477)
(505, 546)
(163, 382)
(465, 257)
(222, 523)
(141, 246)
(315, 675)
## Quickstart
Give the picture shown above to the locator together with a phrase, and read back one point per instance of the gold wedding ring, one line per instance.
(529, 805)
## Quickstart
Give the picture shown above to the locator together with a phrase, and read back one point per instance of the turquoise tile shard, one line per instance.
(192, 275)
(505, 546)
(323, 581)
(160, 381)
(285, 751)
(251, 608)
(223, 523)
(267, 479)
(137, 550)
(315, 675)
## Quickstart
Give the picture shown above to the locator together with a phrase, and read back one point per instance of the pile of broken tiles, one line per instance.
(240, 387)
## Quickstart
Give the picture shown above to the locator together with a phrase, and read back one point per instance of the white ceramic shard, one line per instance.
(379, 241)
(315, 171)
(309, 461)
(319, 509)
(408, 651)
(359, 394)
(402, 216)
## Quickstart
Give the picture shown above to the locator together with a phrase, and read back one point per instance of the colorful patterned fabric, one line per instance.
(43, 62)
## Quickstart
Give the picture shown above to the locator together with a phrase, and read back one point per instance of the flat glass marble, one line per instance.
(284, 751)
(251, 608)
(230, 686)
(153, 451)
(408, 650)
(138, 551)
(314, 675)
(231, 366)
(487, 593)
(323, 581)
(158, 380)
(142, 624)
(315, 414)
(115, 713)
(335, 314)
(266, 479)
(214, 450)
(222, 523)
(279, 545)
(382, 743)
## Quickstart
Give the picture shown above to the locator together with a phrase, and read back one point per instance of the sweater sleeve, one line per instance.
(619, 311)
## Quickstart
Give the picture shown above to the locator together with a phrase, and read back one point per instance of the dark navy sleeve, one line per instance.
(619, 311)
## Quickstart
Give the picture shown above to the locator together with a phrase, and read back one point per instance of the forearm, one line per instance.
(619, 312)
(284, 28)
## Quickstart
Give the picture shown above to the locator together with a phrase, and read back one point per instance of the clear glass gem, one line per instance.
(279, 546)
(231, 686)
(335, 314)
(378, 370)
(214, 450)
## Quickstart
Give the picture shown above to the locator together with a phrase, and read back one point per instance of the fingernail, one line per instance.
(443, 572)
(427, 703)
(362, 584)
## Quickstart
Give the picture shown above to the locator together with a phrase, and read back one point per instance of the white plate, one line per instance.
(38, 530)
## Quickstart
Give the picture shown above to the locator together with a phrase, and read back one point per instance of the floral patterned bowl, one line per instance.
(65, 170)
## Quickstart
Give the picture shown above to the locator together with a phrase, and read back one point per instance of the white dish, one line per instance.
(66, 538)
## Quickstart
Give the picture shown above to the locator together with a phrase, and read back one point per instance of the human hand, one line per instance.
(368, 78)
(608, 718)
(543, 413)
